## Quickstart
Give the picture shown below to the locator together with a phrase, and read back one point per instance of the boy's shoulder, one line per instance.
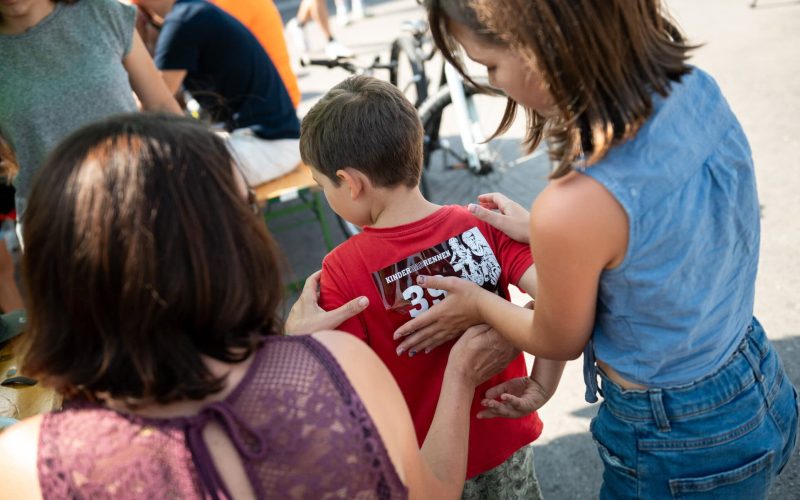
(447, 222)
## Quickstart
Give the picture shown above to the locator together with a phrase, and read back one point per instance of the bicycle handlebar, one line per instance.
(349, 65)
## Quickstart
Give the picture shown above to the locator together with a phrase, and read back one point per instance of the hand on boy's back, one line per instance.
(513, 398)
(481, 353)
(444, 321)
(306, 316)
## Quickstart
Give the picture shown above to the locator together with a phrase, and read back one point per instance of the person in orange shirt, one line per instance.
(263, 19)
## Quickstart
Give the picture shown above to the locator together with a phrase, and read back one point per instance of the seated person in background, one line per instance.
(10, 298)
(226, 70)
(66, 63)
(263, 19)
(363, 143)
(181, 384)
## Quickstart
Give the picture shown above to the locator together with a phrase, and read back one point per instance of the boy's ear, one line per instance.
(356, 181)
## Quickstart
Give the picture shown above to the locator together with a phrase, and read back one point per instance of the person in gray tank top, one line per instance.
(65, 64)
(645, 241)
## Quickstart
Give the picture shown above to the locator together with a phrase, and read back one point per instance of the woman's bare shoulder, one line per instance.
(19, 446)
(579, 210)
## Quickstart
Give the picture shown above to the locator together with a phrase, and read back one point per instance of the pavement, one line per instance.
(755, 56)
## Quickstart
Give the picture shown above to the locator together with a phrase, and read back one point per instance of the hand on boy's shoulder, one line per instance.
(306, 315)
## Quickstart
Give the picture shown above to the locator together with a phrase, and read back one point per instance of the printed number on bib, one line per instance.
(419, 302)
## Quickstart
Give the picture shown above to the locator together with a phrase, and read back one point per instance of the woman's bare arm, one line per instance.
(146, 81)
(577, 231)
(438, 470)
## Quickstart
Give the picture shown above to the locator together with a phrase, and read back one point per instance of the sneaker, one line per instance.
(334, 50)
(342, 18)
(296, 36)
(357, 13)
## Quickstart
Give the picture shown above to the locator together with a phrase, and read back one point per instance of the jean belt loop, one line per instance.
(754, 363)
(659, 413)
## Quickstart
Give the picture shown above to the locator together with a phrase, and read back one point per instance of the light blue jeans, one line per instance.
(725, 436)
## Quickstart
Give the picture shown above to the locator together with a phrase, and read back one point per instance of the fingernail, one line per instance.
(411, 353)
(400, 351)
(420, 280)
(363, 302)
(427, 350)
(472, 208)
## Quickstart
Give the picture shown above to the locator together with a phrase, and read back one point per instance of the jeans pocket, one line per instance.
(751, 480)
(619, 480)
(610, 461)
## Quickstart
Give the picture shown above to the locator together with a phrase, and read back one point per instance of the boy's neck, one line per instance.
(399, 206)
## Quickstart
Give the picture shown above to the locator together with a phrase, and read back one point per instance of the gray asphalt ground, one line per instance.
(755, 56)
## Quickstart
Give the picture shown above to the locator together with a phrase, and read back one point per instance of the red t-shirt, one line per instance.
(382, 264)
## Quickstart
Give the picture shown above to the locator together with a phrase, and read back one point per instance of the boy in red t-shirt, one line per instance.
(363, 142)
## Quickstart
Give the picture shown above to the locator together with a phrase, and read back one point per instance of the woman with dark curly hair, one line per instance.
(65, 64)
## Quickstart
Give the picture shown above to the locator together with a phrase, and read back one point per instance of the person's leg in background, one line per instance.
(316, 10)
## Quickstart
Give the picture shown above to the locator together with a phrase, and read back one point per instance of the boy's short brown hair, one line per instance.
(366, 124)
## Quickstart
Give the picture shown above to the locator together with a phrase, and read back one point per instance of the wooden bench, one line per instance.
(299, 188)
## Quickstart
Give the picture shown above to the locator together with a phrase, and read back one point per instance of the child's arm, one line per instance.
(528, 281)
(335, 292)
(522, 396)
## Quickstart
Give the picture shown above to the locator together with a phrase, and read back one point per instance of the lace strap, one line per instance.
(359, 413)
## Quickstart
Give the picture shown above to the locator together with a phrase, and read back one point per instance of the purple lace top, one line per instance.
(295, 420)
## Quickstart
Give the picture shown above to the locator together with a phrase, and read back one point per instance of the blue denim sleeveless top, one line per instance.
(682, 299)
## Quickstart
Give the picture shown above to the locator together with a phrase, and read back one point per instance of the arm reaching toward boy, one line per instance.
(509, 217)
(306, 316)
(427, 339)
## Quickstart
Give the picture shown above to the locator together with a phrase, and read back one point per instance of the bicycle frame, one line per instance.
(469, 127)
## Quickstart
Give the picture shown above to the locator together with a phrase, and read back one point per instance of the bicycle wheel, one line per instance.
(504, 167)
(408, 70)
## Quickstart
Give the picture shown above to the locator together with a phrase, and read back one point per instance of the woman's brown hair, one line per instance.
(602, 60)
(141, 256)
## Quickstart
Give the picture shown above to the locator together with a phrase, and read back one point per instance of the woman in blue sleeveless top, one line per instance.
(645, 241)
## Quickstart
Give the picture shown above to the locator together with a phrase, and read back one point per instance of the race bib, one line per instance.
(467, 256)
